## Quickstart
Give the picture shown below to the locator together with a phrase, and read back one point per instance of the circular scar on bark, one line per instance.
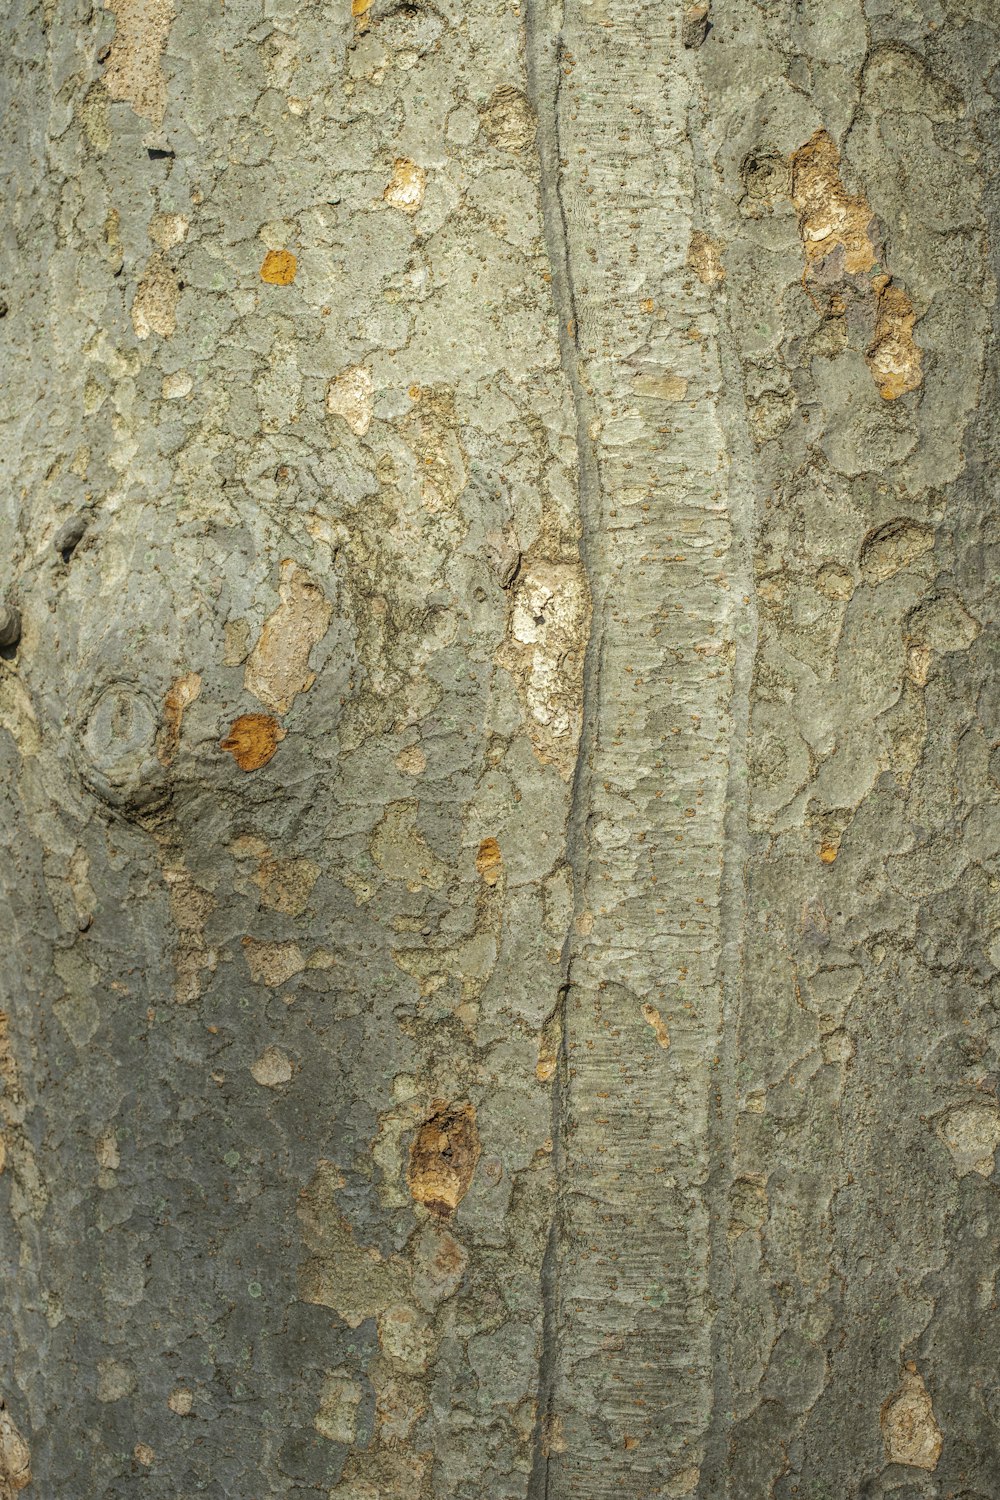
(252, 740)
(443, 1157)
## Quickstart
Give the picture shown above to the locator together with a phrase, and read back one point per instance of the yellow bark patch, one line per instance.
(405, 189)
(252, 740)
(279, 268)
(909, 1430)
(443, 1157)
(489, 861)
(278, 666)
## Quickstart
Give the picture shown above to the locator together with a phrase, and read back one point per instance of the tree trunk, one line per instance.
(502, 862)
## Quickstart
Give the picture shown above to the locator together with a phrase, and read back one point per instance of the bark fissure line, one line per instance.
(544, 71)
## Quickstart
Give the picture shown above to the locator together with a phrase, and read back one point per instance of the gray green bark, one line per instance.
(500, 759)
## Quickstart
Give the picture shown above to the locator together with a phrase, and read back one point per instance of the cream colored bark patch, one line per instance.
(154, 308)
(352, 396)
(134, 72)
(544, 653)
(278, 667)
(909, 1430)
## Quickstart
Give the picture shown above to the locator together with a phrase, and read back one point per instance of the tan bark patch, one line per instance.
(705, 259)
(894, 546)
(509, 120)
(972, 1133)
(339, 1400)
(252, 740)
(180, 695)
(144, 1454)
(286, 884)
(279, 268)
(134, 72)
(272, 963)
(167, 230)
(272, 1068)
(909, 1430)
(278, 666)
(652, 1017)
(154, 307)
(664, 387)
(443, 1157)
(841, 238)
(181, 1400)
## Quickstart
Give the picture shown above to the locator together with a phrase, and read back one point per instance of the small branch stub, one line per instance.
(10, 626)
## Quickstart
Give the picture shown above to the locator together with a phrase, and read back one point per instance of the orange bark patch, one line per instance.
(489, 861)
(279, 268)
(180, 695)
(443, 1157)
(252, 740)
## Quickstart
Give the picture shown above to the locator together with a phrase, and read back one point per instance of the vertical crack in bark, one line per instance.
(737, 839)
(544, 70)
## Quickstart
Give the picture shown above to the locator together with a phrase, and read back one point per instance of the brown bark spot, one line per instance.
(180, 695)
(909, 1430)
(443, 1157)
(652, 1017)
(704, 258)
(252, 740)
(489, 861)
(279, 268)
(509, 120)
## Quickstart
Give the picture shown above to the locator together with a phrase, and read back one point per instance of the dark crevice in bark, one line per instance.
(544, 70)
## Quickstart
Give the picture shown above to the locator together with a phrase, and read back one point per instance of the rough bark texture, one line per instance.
(501, 757)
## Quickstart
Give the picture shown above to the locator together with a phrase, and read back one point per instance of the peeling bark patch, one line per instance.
(942, 623)
(278, 667)
(252, 740)
(509, 120)
(405, 189)
(705, 259)
(443, 1158)
(286, 884)
(134, 72)
(652, 1017)
(841, 239)
(489, 862)
(544, 653)
(272, 964)
(893, 547)
(279, 268)
(352, 396)
(15, 1457)
(909, 1430)
(272, 1068)
(154, 307)
(972, 1133)
(180, 696)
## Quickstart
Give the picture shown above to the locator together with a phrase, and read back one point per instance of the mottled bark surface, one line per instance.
(501, 757)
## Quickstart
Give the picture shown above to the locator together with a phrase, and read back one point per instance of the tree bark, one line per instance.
(501, 742)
